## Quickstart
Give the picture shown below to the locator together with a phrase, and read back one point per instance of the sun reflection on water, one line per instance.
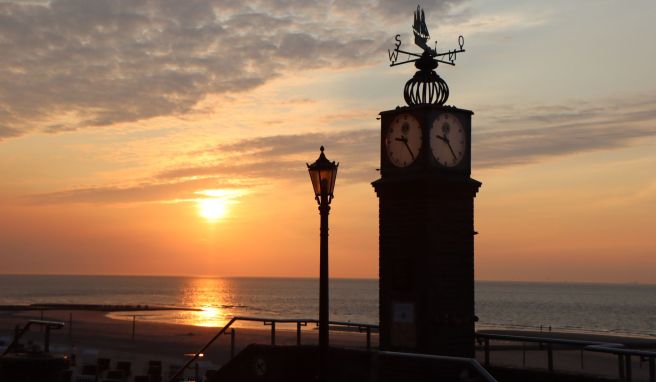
(212, 300)
(211, 296)
(209, 316)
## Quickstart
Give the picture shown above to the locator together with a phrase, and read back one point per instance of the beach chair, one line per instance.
(115, 376)
(89, 373)
(155, 365)
(155, 371)
(125, 366)
(103, 364)
(66, 375)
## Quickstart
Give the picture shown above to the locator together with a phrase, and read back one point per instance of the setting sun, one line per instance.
(212, 209)
(215, 204)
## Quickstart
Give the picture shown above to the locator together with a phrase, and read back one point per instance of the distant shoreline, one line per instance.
(94, 307)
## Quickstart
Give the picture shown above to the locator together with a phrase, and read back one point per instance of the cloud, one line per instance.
(7, 132)
(68, 64)
(248, 164)
(470, 24)
(503, 136)
(551, 132)
(510, 138)
(299, 101)
(284, 156)
(534, 134)
(146, 192)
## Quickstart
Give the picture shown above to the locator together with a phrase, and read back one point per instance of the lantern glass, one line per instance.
(316, 183)
(323, 174)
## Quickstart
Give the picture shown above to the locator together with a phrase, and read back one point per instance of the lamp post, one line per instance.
(323, 174)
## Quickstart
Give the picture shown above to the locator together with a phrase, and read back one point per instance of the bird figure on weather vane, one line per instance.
(425, 87)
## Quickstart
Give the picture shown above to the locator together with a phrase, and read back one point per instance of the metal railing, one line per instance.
(49, 325)
(366, 328)
(624, 360)
(471, 363)
(623, 354)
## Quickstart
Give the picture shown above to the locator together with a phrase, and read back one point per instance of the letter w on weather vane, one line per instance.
(420, 30)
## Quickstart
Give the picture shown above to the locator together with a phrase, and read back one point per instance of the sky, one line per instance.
(170, 137)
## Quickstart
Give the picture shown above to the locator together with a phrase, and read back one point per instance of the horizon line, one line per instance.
(312, 277)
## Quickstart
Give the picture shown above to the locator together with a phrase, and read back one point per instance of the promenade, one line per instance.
(93, 335)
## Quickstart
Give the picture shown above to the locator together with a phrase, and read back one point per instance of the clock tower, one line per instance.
(426, 214)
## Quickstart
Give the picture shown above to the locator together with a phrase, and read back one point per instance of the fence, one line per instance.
(625, 372)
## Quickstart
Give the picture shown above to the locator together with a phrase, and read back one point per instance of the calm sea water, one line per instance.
(629, 309)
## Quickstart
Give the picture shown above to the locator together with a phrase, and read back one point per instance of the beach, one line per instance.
(93, 335)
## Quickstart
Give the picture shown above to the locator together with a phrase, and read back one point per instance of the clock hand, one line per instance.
(450, 148)
(405, 142)
(410, 151)
(448, 143)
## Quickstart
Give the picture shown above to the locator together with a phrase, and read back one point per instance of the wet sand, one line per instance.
(93, 335)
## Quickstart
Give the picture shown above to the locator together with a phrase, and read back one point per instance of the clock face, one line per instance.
(448, 141)
(403, 140)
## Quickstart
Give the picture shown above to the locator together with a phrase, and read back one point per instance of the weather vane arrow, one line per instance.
(426, 87)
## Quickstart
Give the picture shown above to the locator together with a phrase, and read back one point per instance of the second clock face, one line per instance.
(403, 140)
(448, 140)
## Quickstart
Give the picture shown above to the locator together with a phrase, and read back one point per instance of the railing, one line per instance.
(46, 340)
(366, 328)
(623, 354)
(624, 360)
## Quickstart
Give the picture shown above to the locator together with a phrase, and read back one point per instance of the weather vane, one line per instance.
(426, 86)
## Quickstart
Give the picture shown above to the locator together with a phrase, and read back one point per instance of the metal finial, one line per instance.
(426, 86)
(321, 148)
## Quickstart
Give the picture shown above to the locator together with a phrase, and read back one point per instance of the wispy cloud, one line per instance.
(283, 155)
(510, 138)
(7, 132)
(533, 134)
(102, 62)
(146, 192)
(495, 23)
(245, 164)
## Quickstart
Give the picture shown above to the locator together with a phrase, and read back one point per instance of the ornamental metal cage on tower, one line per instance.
(426, 86)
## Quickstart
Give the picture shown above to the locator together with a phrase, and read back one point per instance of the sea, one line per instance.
(626, 309)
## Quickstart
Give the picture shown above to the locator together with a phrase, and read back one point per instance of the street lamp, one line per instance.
(323, 174)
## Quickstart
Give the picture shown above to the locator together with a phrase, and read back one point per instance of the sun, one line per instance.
(215, 205)
(212, 209)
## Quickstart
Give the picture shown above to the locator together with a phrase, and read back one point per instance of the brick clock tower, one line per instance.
(426, 222)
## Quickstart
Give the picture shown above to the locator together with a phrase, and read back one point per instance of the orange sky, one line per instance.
(137, 147)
